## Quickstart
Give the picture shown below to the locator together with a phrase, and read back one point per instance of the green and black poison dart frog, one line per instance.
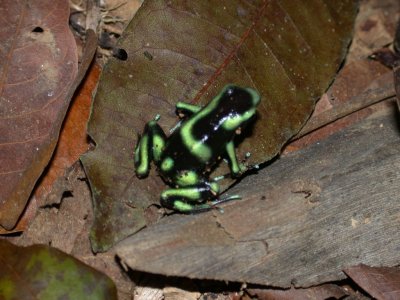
(185, 158)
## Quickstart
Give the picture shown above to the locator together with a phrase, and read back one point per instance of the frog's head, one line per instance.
(239, 106)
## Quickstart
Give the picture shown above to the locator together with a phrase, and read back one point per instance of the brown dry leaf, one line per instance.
(174, 293)
(116, 14)
(27, 216)
(397, 84)
(374, 28)
(325, 291)
(396, 69)
(353, 80)
(74, 146)
(38, 68)
(380, 282)
(72, 142)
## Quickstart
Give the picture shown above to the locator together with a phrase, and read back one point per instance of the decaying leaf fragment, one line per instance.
(379, 282)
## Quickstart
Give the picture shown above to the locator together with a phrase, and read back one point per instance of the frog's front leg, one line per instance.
(190, 199)
(236, 168)
(186, 109)
(149, 147)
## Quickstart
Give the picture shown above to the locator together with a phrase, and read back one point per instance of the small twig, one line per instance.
(356, 103)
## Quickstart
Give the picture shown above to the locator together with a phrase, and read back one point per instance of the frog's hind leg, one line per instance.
(190, 199)
(149, 147)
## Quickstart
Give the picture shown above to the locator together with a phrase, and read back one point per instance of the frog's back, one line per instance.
(203, 138)
(189, 153)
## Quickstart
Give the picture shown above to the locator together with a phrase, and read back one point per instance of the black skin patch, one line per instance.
(183, 158)
(234, 101)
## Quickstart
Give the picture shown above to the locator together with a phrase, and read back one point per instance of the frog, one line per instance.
(185, 159)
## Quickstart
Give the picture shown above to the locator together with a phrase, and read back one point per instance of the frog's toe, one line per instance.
(242, 169)
(225, 199)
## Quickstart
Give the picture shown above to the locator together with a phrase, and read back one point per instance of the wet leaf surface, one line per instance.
(37, 70)
(195, 50)
(42, 272)
(380, 282)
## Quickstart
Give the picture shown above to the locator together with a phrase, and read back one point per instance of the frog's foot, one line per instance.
(175, 127)
(225, 199)
(149, 147)
(236, 172)
(242, 168)
(221, 177)
(157, 117)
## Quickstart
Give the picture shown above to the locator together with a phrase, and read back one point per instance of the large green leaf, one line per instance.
(42, 272)
(187, 51)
